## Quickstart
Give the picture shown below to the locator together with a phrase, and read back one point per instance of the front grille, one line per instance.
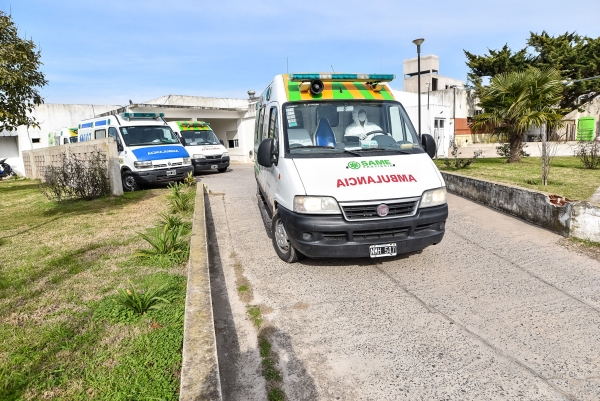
(214, 157)
(159, 165)
(177, 164)
(334, 236)
(369, 211)
(395, 233)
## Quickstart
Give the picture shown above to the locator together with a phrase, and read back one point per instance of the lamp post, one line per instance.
(418, 42)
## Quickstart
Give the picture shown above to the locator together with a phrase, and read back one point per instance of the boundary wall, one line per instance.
(35, 160)
(576, 219)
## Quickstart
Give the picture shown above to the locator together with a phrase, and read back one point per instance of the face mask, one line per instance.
(362, 117)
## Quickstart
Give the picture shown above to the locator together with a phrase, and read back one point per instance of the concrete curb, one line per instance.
(200, 367)
(577, 219)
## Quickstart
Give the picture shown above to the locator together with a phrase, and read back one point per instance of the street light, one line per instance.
(418, 42)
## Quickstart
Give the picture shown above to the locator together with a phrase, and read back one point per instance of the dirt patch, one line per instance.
(300, 306)
(581, 247)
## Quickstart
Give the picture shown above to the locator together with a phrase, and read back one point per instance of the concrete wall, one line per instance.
(531, 206)
(51, 117)
(585, 221)
(36, 160)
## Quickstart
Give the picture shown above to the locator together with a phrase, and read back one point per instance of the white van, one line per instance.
(62, 137)
(341, 171)
(149, 151)
(202, 143)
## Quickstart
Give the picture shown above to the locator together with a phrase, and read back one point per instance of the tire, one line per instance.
(281, 243)
(222, 170)
(129, 184)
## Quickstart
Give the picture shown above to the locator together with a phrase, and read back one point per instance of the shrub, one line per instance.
(165, 241)
(189, 180)
(460, 163)
(180, 200)
(141, 302)
(589, 153)
(504, 150)
(75, 177)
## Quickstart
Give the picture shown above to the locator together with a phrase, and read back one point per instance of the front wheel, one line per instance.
(129, 184)
(222, 170)
(281, 242)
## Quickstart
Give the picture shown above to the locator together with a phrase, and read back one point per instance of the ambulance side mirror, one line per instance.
(264, 155)
(182, 140)
(428, 144)
(119, 146)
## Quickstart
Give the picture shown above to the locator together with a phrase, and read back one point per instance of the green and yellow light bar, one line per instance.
(193, 126)
(343, 77)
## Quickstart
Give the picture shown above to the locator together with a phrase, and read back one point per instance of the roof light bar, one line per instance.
(142, 115)
(343, 77)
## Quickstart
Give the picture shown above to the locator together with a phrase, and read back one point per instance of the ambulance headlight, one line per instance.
(433, 197)
(225, 154)
(316, 204)
(142, 164)
(186, 160)
(198, 156)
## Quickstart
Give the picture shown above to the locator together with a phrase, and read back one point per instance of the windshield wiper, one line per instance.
(404, 152)
(352, 152)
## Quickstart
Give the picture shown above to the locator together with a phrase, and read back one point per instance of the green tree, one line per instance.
(513, 102)
(574, 56)
(20, 78)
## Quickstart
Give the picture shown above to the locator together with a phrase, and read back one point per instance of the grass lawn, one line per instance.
(62, 335)
(567, 176)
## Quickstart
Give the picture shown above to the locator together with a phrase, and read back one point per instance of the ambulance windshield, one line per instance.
(327, 128)
(148, 135)
(204, 137)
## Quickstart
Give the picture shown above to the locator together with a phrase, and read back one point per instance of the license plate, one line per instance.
(171, 172)
(214, 166)
(378, 251)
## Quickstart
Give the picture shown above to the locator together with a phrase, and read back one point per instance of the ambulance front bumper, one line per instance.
(207, 164)
(334, 237)
(146, 177)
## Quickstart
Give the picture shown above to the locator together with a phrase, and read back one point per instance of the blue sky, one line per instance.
(107, 52)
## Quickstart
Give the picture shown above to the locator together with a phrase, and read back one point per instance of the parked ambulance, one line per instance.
(62, 137)
(149, 151)
(202, 143)
(341, 171)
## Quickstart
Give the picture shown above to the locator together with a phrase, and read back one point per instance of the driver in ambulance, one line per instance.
(360, 127)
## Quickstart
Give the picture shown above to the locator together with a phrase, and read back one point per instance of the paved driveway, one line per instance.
(498, 310)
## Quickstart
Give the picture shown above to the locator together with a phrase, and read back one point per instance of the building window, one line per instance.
(233, 143)
(35, 140)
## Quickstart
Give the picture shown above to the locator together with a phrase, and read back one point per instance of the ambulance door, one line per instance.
(259, 134)
(272, 125)
(114, 133)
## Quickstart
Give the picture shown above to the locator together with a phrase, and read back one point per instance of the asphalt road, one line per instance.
(498, 311)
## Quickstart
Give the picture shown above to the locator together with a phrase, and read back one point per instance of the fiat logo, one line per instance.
(383, 210)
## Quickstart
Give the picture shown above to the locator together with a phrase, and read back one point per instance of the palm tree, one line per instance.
(513, 102)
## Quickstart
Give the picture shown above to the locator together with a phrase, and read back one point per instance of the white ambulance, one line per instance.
(149, 151)
(202, 143)
(341, 171)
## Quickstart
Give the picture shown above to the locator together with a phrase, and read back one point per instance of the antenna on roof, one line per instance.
(287, 65)
(332, 68)
(130, 102)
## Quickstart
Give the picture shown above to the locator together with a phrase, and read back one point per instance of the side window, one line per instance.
(274, 127)
(259, 129)
(100, 133)
(112, 132)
